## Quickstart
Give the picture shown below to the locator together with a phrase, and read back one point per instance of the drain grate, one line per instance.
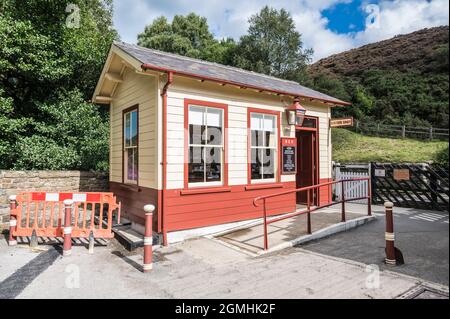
(424, 292)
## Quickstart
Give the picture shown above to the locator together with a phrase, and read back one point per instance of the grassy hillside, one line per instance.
(350, 147)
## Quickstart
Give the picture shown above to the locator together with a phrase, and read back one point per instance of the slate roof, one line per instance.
(209, 70)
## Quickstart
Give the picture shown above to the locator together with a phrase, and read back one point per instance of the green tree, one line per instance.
(46, 61)
(188, 36)
(273, 46)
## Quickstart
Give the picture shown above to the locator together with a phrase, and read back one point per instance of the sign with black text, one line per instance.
(344, 122)
(289, 156)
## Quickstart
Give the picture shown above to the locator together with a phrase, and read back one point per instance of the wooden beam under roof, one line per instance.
(114, 77)
(103, 99)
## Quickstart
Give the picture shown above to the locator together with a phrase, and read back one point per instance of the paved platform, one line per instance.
(251, 239)
(195, 269)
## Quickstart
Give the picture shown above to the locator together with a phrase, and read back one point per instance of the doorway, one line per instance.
(307, 156)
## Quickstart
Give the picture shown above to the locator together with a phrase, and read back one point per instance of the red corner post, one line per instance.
(12, 220)
(148, 238)
(67, 247)
(390, 236)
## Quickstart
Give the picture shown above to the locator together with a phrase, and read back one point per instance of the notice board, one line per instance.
(288, 156)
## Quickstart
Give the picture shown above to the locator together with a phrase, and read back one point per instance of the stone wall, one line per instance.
(13, 182)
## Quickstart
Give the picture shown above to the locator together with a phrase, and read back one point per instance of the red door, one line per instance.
(306, 173)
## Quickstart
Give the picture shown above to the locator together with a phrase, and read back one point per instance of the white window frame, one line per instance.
(205, 146)
(276, 148)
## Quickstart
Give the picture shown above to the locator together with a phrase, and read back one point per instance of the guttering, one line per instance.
(147, 66)
(164, 150)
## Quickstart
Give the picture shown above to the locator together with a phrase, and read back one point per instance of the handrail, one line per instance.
(308, 210)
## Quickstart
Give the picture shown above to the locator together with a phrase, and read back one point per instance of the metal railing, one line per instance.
(310, 209)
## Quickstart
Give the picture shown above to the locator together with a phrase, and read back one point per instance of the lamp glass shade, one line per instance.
(300, 117)
(291, 117)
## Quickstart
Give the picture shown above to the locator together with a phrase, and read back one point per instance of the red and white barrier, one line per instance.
(61, 197)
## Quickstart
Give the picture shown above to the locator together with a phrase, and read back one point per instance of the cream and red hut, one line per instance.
(201, 140)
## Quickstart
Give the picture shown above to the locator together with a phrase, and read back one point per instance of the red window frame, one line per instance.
(224, 107)
(125, 111)
(249, 148)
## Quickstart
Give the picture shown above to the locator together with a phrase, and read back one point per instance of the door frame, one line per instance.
(315, 132)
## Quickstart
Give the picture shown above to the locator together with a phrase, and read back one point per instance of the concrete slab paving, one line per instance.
(12, 258)
(251, 239)
(203, 268)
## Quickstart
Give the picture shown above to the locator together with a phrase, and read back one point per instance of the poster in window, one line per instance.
(289, 156)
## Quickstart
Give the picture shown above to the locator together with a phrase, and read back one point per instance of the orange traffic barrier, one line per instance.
(46, 214)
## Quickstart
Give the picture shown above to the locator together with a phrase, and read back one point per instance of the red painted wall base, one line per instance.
(186, 210)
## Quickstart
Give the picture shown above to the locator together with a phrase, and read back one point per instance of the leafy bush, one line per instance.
(47, 72)
(442, 157)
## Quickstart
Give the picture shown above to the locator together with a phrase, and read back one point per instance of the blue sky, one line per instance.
(327, 26)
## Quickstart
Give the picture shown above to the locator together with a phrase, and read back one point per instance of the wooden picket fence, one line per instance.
(352, 189)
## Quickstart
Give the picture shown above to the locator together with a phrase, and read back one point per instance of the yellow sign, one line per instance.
(344, 122)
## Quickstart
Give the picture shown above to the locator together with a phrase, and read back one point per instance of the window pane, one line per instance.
(270, 140)
(256, 125)
(269, 163)
(213, 158)
(257, 138)
(256, 165)
(215, 127)
(310, 123)
(134, 128)
(196, 168)
(132, 159)
(197, 125)
(270, 130)
(126, 129)
(197, 134)
(256, 121)
(269, 123)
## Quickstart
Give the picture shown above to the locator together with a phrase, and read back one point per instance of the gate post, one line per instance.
(373, 182)
(343, 219)
(309, 229)
(12, 220)
(148, 238)
(390, 236)
(67, 247)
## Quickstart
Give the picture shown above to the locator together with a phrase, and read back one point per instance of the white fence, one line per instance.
(352, 189)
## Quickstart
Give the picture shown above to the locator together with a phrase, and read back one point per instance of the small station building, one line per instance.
(201, 140)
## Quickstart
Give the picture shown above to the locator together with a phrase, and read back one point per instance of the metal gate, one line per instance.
(352, 189)
(422, 186)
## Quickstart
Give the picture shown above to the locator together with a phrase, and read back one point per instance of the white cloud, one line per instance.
(229, 19)
(400, 17)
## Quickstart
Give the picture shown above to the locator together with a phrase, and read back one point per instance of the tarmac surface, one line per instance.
(205, 268)
(422, 236)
